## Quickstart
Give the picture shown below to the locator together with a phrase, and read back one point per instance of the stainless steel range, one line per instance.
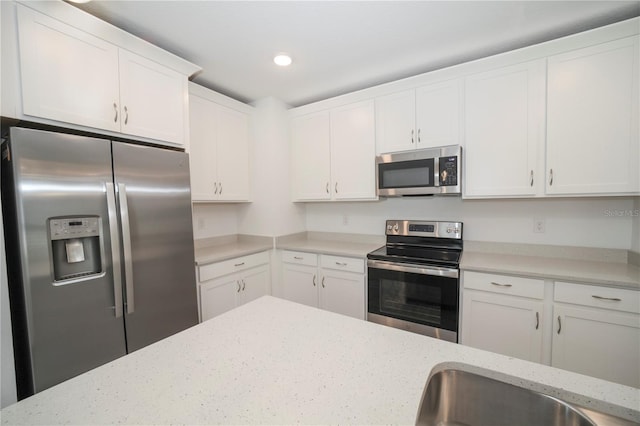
(413, 281)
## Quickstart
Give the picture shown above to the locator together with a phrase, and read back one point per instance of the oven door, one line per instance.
(414, 297)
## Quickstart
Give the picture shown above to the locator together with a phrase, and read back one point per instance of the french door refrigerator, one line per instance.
(100, 254)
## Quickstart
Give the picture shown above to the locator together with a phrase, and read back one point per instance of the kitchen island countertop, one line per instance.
(276, 362)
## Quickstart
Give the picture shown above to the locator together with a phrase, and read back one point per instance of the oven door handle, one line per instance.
(414, 269)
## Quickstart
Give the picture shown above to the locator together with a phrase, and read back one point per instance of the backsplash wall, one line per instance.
(586, 222)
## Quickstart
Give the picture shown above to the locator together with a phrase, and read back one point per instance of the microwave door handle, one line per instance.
(115, 248)
(436, 172)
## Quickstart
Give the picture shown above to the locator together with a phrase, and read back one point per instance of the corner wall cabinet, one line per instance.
(219, 149)
(578, 328)
(333, 154)
(72, 76)
(225, 285)
(425, 117)
(332, 283)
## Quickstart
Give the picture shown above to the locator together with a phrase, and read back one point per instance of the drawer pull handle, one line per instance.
(612, 299)
(559, 324)
(239, 264)
(501, 285)
(298, 257)
(341, 263)
(537, 320)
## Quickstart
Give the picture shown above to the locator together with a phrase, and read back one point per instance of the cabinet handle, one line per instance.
(126, 115)
(537, 320)
(244, 285)
(314, 280)
(220, 188)
(531, 178)
(298, 257)
(115, 108)
(612, 299)
(341, 263)
(327, 187)
(322, 282)
(412, 131)
(238, 282)
(550, 177)
(418, 135)
(501, 285)
(559, 324)
(239, 264)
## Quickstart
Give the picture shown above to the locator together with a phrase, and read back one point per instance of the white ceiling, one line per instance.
(342, 46)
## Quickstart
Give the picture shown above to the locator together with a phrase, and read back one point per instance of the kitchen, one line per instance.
(578, 222)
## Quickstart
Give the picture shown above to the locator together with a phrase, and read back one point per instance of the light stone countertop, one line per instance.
(216, 249)
(605, 267)
(350, 245)
(273, 361)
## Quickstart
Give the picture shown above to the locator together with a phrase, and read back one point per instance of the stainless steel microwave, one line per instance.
(427, 171)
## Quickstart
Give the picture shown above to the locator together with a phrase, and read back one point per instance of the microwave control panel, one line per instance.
(448, 171)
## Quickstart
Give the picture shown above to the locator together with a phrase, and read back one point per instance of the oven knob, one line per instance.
(448, 230)
(389, 227)
(395, 227)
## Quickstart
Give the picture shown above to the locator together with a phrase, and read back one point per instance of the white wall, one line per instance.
(214, 220)
(271, 213)
(587, 222)
(635, 228)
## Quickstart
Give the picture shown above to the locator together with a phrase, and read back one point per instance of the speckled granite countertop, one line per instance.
(215, 249)
(272, 361)
(351, 245)
(606, 267)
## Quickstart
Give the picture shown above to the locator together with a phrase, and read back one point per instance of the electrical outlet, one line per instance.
(539, 226)
(201, 224)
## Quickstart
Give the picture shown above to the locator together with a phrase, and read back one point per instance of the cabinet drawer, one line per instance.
(300, 258)
(617, 299)
(219, 269)
(504, 284)
(349, 264)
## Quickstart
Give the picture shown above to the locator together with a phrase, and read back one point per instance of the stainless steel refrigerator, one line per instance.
(100, 257)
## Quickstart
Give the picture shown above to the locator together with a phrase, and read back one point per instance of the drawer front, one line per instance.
(616, 299)
(300, 258)
(349, 264)
(219, 269)
(504, 284)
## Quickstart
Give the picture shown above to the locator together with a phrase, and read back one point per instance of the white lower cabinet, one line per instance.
(597, 332)
(333, 283)
(595, 329)
(503, 314)
(225, 285)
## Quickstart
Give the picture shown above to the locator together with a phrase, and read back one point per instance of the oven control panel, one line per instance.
(433, 229)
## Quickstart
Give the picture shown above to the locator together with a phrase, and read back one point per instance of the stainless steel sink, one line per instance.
(455, 397)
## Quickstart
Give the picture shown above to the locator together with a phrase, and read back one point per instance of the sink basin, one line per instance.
(455, 397)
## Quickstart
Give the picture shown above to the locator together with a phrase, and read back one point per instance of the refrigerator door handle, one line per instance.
(115, 248)
(126, 246)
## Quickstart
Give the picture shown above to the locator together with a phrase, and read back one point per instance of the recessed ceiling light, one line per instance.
(282, 60)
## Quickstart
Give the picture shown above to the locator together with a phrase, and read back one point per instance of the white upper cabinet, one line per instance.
(219, 149)
(333, 154)
(353, 152)
(592, 120)
(67, 74)
(152, 99)
(504, 129)
(422, 118)
(311, 157)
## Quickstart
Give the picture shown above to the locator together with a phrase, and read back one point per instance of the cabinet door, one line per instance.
(353, 152)
(438, 114)
(343, 293)
(255, 283)
(592, 120)
(67, 75)
(219, 296)
(152, 99)
(310, 157)
(395, 122)
(504, 117)
(598, 343)
(300, 284)
(503, 324)
(202, 158)
(233, 155)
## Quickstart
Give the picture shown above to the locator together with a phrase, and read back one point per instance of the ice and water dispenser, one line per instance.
(75, 247)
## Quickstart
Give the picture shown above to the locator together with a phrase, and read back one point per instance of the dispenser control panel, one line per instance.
(77, 227)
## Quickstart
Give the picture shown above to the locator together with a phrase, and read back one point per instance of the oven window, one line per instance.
(406, 174)
(418, 303)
